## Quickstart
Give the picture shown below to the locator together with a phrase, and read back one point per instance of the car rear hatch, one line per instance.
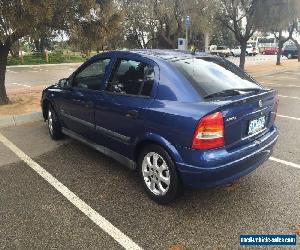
(247, 117)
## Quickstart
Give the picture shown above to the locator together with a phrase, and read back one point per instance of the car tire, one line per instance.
(54, 125)
(159, 174)
(247, 53)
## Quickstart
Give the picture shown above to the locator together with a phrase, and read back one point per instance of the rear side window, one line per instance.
(211, 75)
(131, 78)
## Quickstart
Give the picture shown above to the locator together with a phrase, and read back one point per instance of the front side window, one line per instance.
(92, 75)
(131, 78)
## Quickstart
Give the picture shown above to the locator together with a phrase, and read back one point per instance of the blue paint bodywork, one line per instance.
(168, 118)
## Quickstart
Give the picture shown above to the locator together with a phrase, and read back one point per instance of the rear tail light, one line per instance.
(209, 133)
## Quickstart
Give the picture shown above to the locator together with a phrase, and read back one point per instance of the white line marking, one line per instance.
(23, 85)
(290, 97)
(281, 85)
(291, 164)
(11, 71)
(104, 224)
(289, 117)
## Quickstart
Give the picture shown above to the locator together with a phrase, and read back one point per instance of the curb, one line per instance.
(15, 120)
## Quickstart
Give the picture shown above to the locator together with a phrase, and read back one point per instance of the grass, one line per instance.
(39, 58)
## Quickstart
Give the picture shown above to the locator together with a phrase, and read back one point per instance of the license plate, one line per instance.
(256, 125)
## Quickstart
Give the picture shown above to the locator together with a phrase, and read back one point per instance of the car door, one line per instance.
(129, 92)
(78, 102)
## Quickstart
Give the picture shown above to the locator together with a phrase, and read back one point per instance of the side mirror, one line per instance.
(64, 83)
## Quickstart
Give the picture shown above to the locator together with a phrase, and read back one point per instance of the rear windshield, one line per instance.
(212, 75)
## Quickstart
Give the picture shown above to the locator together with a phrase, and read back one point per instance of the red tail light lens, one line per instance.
(209, 133)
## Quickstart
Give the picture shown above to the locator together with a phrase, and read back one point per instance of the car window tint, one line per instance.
(131, 78)
(211, 75)
(92, 75)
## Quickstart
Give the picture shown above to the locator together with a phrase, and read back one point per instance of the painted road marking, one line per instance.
(23, 85)
(281, 85)
(104, 224)
(291, 164)
(11, 71)
(289, 117)
(290, 97)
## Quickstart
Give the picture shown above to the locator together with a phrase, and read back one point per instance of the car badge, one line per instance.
(260, 103)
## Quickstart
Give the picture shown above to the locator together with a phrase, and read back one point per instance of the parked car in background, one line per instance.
(236, 51)
(270, 51)
(222, 51)
(290, 51)
(179, 119)
(251, 51)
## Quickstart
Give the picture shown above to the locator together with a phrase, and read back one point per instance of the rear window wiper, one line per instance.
(231, 92)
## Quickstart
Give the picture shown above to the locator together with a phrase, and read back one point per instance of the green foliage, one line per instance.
(39, 58)
(95, 29)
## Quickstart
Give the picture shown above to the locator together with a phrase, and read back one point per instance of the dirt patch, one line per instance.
(22, 101)
(271, 67)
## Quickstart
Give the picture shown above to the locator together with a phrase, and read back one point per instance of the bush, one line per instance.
(40, 58)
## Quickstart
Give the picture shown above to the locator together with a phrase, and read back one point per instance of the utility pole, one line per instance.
(187, 26)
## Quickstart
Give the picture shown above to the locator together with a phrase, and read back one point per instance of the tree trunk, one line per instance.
(3, 61)
(243, 55)
(280, 46)
(279, 53)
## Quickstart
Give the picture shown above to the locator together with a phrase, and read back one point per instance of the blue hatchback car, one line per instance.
(179, 119)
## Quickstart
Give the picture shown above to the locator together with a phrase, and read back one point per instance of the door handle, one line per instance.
(132, 114)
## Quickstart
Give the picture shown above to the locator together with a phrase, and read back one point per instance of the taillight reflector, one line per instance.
(209, 133)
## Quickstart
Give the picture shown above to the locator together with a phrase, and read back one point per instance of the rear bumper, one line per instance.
(220, 167)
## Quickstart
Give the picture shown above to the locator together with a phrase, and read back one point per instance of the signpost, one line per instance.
(187, 26)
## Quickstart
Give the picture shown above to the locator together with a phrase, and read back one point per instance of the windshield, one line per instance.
(212, 75)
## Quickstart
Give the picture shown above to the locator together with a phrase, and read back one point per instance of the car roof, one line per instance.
(158, 54)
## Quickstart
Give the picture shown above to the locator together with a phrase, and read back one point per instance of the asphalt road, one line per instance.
(34, 215)
(29, 76)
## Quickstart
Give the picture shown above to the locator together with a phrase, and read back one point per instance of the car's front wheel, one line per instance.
(54, 126)
(159, 174)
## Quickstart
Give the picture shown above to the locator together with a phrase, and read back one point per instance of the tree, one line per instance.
(95, 29)
(243, 18)
(296, 29)
(20, 18)
(160, 23)
(279, 19)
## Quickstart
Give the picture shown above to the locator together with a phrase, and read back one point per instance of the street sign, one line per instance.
(188, 22)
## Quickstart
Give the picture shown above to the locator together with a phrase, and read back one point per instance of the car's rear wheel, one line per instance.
(159, 174)
(54, 126)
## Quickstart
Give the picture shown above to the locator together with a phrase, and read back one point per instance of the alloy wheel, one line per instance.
(50, 121)
(156, 173)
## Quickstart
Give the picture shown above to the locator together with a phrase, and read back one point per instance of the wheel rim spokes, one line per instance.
(156, 173)
(50, 121)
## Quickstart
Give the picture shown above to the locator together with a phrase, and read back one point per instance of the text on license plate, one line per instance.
(256, 125)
